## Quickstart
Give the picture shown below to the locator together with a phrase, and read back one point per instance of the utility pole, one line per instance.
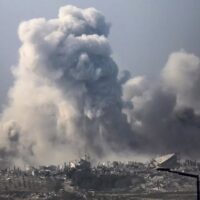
(183, 174)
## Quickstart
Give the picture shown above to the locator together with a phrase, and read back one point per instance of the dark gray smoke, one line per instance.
(68, 99)
(166, 112)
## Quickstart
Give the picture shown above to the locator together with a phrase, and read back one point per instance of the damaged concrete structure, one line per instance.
(82, 180)
(167, 161)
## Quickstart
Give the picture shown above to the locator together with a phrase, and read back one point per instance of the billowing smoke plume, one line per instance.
(166, 112)
(68, 99)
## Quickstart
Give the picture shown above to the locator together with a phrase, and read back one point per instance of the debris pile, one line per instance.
(82, 180)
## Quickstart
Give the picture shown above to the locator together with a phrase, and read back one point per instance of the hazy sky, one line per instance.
(143, 33)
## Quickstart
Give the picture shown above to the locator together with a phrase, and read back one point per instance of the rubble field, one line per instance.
(82, 180)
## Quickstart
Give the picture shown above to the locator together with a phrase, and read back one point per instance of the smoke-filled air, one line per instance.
(69, 98)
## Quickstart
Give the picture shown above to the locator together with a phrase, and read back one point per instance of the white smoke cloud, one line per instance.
(182, 76)
(67, 97)
(64, 92)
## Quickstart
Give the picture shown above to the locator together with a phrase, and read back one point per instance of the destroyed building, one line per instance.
(167, 161)
(81, 180)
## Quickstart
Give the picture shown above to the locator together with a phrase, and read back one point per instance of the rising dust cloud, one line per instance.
(67, 97)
